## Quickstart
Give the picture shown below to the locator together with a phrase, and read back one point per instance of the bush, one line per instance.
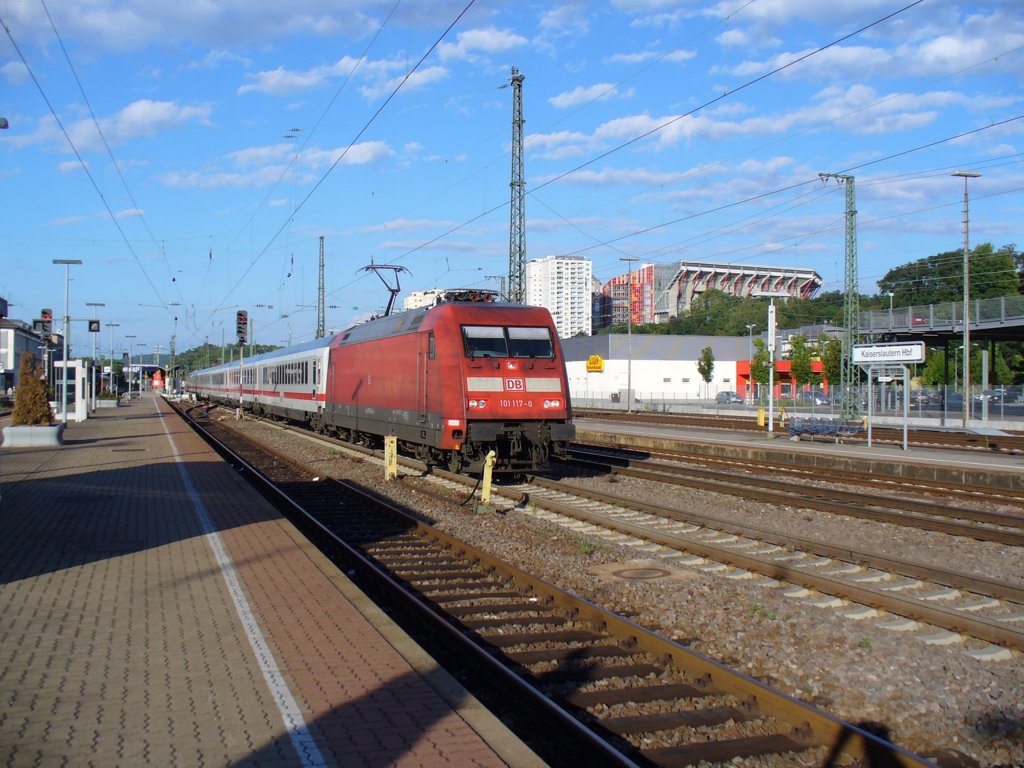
(31, 404)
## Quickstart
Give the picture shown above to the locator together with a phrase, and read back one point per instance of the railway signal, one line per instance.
(242, 325)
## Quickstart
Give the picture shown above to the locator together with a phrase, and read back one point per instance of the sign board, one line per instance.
(595, 364)
(901, 352)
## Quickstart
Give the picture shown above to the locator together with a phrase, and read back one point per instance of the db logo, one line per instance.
(515, 385)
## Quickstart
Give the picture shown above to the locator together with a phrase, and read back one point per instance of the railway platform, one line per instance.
(157, 611)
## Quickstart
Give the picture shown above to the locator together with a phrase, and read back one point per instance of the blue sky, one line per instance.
(192, 154)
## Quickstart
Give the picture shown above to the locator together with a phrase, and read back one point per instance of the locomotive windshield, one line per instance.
(499, 341)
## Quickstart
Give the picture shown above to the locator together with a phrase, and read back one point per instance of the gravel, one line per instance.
(928, 697)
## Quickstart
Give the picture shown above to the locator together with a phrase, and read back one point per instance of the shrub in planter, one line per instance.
(31, 420)
(31, 404)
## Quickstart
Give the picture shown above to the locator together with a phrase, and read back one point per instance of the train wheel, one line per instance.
(455, 462)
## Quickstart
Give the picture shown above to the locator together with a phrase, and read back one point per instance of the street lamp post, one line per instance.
(94, 304)
(750, 358)
(112, 326)
(129, 375)
(629, 334)
(67, 321)
(965, 175)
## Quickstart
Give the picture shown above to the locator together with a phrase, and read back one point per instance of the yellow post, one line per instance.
(485, 491)
(390, 457)
(760, 417)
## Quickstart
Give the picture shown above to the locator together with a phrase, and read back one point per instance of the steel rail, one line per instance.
(748, 464)
(832, 500)
(981, 628)
(809, 726)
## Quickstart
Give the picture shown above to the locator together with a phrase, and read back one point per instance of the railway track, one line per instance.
(961, 490)
(940, 604)
(1010, 443)
(613, 692)
(793, 490)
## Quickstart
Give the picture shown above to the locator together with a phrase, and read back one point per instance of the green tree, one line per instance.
(31, 404)
(706, 366)
(831, 358)
(760, 364)
(800, 368)
(940, 278)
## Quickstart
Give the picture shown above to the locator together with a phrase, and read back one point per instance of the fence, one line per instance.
(930, 406)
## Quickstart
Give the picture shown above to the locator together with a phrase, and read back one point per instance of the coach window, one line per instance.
(431, 349)
(530, 342)
(484, 341)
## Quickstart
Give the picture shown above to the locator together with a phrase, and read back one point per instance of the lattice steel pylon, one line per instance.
(517, 221)
(848, 372)
(321, 319)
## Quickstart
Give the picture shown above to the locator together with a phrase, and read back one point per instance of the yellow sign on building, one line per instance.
(595, 364)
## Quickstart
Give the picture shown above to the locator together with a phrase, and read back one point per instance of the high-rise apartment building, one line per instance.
(563, 285)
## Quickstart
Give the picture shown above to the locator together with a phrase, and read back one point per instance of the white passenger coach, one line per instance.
(288, 383)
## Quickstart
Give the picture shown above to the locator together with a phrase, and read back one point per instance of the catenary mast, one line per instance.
(851, 301)
(517, 224)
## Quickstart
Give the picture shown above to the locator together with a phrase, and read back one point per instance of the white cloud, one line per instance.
(283, 82)
(70, 166)
(213, 59)
(732, 38)
(14, 72)
(408, 225)
(64, 221)
(675, 56)
(117, 25)
(584, 94)
(265, 166)
(418, 79)
(486, 41)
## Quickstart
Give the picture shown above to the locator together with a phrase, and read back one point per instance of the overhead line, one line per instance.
(726, 94)
(363, 130)
(664, 125)
(309, 134)
(78, 155)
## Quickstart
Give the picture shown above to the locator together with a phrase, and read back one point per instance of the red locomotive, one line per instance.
(452, 382)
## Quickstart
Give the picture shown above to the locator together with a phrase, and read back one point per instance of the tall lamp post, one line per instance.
(129, 374)
(67, 321)
(629, 334)
(112, 326)
(965, 175)
(750, 358)
(94, 304)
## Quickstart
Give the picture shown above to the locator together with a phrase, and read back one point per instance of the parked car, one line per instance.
(728, 398)
(998, 395)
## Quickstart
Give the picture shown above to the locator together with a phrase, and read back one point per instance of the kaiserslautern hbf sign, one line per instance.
(871, 354)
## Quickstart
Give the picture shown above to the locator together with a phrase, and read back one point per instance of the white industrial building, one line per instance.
(563, 285)
(603, 368)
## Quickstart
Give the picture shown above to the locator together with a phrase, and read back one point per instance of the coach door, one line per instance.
(427, 352)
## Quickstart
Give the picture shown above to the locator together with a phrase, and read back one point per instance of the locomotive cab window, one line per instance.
(485, 341)
(497, 341)
(530, 342)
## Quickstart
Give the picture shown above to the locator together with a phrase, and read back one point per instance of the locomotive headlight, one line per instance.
(478, 403)
(552, 403)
